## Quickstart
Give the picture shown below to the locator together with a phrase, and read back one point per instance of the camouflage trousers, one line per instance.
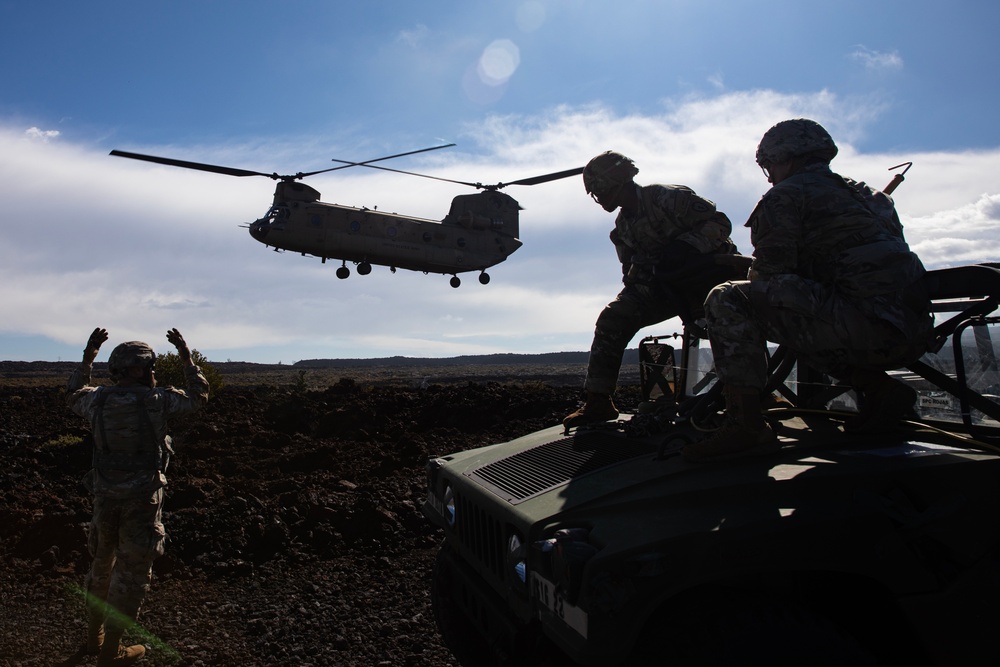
(635, 307)
(826, 331)
(126, 535)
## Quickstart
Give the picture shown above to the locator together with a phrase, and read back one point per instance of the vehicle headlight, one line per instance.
(443, 503)
(517, 557)
(449, 505)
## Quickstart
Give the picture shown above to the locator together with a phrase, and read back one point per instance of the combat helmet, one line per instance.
(793, 138)
(128, 355)
(607, 172)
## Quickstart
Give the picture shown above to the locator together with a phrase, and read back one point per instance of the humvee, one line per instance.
(602, 546)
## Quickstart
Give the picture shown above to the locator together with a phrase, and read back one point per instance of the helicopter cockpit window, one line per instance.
(276, 217)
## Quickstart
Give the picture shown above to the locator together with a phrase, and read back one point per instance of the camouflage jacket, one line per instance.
(841, 234)
(136, 436)
(668, 213)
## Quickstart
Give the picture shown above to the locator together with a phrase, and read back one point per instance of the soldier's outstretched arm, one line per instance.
(81, 376)
(197, 386)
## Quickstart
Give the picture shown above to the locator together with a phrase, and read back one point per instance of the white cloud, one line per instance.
(41, 135)
(877, 60)
(969, 234)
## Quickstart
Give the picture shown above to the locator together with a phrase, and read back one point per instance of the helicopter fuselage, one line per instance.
(480, 231)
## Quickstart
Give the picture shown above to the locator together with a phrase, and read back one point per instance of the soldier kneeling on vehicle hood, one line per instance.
(832, 278)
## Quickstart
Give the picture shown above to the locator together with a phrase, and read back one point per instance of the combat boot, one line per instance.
(744, 432)
(115, 654)
(597, 408)
(885, 402)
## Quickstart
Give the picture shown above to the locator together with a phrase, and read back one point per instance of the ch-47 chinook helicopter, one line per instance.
(480, 230)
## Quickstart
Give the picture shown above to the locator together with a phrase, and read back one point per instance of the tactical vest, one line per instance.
(654, 228)
(131, 443)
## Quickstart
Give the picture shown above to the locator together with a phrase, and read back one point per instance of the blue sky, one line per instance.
(685, 88)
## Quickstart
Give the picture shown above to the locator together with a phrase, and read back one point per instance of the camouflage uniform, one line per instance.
(666, 251)
(832, 278)
(131, 453)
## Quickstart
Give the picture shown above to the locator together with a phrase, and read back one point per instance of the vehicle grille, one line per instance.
(533, 471)
(481, 533)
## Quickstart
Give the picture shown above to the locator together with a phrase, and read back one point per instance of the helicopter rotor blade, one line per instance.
(344, 164)
(232, 171)
(228, 171)
(408, 173)
(535, 180)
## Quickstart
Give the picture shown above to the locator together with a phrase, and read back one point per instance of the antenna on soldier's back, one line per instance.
(898, 178)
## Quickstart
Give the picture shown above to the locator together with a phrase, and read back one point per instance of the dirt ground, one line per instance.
(295, 535)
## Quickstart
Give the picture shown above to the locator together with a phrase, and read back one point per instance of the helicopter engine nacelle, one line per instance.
(485, 210)
(289, 191)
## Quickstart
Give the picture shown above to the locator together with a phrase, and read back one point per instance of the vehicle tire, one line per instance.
(364, 268)
(343, 272)
(456, 630)
(752, 632)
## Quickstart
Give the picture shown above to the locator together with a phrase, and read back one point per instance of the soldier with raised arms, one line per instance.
(131, 452)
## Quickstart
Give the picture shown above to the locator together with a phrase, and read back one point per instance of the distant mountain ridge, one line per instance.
(504, 359)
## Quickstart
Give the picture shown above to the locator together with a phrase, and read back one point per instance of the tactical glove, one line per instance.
(175, 339)
(97, 338)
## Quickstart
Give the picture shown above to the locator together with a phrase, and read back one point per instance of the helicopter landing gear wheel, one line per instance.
(455, 281)
(343, 271)
(364, 268)
(484, 278)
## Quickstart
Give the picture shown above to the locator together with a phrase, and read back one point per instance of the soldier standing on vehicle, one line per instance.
(832, 278)
(131, 452)
(669, 241)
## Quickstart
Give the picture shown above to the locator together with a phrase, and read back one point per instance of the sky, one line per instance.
(685, 88)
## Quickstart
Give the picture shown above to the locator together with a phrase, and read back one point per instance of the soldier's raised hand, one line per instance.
(97, 338)
(177, 340)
